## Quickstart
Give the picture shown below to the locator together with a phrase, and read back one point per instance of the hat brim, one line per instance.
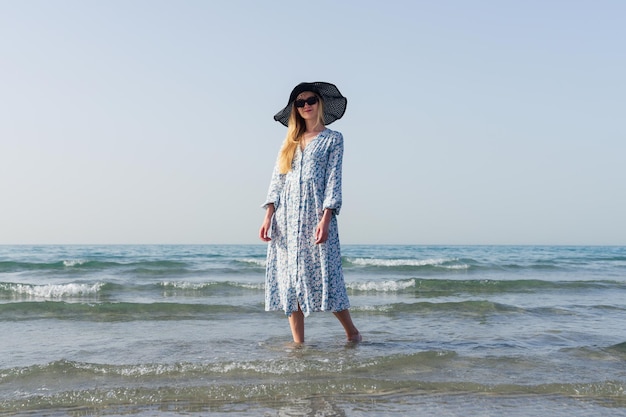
(334, 102)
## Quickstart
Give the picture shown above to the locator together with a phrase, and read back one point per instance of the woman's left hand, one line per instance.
(321, 232)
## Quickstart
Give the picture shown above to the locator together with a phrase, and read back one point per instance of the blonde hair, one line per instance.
(296, 127)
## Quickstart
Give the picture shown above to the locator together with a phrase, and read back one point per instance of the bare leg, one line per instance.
(296, 322)
(346, 321)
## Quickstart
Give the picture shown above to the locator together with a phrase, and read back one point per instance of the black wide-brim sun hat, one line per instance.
(334, 102)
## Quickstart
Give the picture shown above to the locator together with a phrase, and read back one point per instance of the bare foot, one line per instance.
(355, 338)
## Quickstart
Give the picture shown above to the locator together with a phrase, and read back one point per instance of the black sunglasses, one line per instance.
(310, 101)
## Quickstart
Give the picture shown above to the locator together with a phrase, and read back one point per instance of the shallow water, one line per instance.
(181, 330)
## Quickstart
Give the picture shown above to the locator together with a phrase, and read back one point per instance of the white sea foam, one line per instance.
(194, 286)
(369, 308)
(462, 266)
(135, 370)
(73, 262)
(187, 285)
(51, 291)
(382, 286)
(255, 261)
(255, 286)
(407, 262)
(396, 262)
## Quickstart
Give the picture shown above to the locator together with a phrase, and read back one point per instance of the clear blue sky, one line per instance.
(468, 122)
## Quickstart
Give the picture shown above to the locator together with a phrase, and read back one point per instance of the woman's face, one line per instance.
(310, 105)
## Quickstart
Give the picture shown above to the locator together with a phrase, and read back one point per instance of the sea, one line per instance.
(181, 330)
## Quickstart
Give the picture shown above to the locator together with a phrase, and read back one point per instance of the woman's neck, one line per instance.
(314, 127)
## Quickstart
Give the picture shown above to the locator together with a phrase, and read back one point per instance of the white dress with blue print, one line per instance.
(300, 272)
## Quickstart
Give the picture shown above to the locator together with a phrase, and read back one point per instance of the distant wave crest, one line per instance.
(73, 262)
(417, 263)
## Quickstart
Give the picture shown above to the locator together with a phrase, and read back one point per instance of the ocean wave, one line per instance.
(479, 308)
(462, 308)
(98, 311)
(210, 287)
(381, 286)
(416, 263)
(446, 287)
(17, 266)
(119, 311)
(330, 397)
(89, 265)
(49, 291)
(255, 262)
(373, 377)
(75, 262)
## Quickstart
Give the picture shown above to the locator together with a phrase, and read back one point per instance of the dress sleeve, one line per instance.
(276, 186)
(332, 193)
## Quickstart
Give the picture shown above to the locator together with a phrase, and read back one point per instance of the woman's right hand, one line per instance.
(264, 232)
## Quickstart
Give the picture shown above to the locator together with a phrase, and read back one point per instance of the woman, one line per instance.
(304, 272)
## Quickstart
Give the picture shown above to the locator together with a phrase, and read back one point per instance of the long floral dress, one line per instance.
(300, 272)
